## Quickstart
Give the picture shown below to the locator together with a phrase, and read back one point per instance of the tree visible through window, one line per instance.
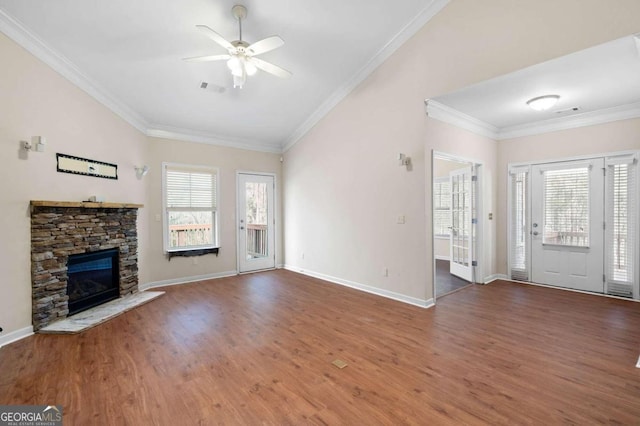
(566, 207)
(190, 207)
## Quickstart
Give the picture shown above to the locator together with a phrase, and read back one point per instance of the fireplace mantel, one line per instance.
(85, 204)
(60, 229)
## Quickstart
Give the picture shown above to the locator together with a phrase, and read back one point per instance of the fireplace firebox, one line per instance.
(93, 279)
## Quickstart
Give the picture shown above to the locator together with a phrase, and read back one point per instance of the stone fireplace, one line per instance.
(63, 229)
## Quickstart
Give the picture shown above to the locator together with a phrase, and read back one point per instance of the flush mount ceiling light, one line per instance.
(241, 58)
(542, 103)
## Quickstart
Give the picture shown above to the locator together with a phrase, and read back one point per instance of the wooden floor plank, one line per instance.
(257, 349)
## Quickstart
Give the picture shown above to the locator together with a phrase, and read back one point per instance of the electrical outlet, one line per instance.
(385, 272)
(302, 255)
(401, 220)
(158, 218)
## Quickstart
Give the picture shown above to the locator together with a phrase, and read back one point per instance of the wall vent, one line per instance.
(204, 85)
(567, 110)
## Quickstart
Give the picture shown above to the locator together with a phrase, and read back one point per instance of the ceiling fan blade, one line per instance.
(270, 68)
(207, 58)
(265, 45)
(215, 37)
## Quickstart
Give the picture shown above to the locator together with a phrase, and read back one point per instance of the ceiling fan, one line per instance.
(241, 57)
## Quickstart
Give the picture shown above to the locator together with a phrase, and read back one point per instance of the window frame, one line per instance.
(439, 181)
(202, 249)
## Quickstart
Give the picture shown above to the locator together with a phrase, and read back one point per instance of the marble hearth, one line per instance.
(60, 229)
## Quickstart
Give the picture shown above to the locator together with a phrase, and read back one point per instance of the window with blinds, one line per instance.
(621, 216)
(190, 201)
(441, 207)
(519, 225)
(566, 207)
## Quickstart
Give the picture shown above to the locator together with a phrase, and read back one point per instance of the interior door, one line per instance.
(256, 244)
(460, 240)
(567, 224)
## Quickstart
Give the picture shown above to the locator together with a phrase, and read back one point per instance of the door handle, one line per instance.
(242, 227)
(535, 233)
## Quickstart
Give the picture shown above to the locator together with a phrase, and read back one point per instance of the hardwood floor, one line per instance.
(445, 282)
(257, 349)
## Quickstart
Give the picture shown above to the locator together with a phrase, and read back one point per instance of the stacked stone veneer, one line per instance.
(57, 232)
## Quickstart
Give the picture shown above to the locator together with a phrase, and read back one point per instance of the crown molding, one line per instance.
(622, 112)
(180, 134)
(382, 55)
(452, 116)
(16, 31)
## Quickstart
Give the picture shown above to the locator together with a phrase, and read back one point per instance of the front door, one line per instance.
(256, 245)
(460, 240)
(567, 221)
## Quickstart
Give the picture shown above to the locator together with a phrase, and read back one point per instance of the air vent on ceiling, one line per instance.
(211, 87)
(564, 111)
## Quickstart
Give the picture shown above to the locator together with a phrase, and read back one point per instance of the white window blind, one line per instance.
(441, 207)
(621, 225)
(566, 207)
(193, 190)
(190, 195)
(519, 226)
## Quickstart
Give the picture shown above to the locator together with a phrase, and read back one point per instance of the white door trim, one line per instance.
(573, 266)
(483, 227)
(276, 241)
(528, 165)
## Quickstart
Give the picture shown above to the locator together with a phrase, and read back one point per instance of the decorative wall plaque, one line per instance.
(84, 166)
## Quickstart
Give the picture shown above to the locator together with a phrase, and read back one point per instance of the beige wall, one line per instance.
(36, 101)
(600, 139)
(228, 161)
(448, 139)
(343, 188)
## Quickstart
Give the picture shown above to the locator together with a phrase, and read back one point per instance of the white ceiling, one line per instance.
(597, 80)
(128, 54)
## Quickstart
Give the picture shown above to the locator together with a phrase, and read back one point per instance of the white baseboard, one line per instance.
(495, 277)
(438, 257)
(16, 335)
(186, 280)
(363, 287)
(638, 363)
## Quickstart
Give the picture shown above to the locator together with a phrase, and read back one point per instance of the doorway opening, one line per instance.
(573, 223)
(456, 206)
(256, 222)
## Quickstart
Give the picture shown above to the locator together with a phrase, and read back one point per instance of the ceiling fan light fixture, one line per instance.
(542, 103)
(239, 80)
(250, 67)
(235, 65)
(241, 57)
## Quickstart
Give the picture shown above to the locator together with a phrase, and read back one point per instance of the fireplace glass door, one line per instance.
(93, 279)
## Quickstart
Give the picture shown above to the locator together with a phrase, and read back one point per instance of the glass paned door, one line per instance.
(460, 239)
(567, 218)
(256, 246)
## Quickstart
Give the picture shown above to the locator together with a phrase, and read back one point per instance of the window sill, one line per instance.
(192, 252)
